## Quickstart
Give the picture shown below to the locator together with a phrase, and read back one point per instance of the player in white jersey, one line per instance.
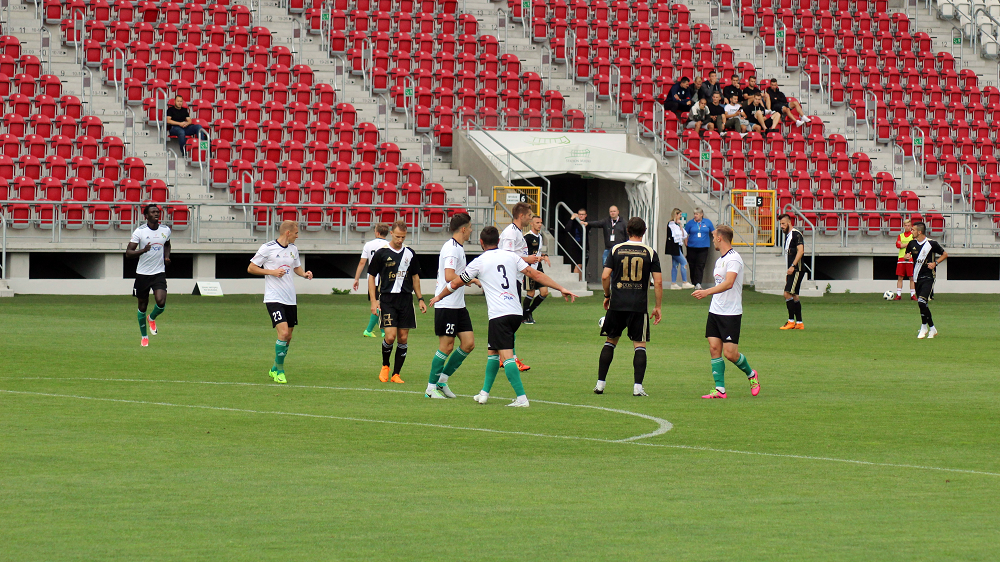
(512, 240)
(276, 261)
(151, 273)
(451, 318)
(372, 246)
(725, 315)
(496, 270)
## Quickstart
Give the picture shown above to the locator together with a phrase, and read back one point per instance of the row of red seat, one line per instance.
(171, 34)
(222, 173)
(45, 127)
(100, 12)
(61, 146)
(80, 190)
(56, 167)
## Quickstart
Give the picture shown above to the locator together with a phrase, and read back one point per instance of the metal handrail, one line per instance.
(427, 150)
(383, 113)
(161, 119)
(129, 124)
(118, 65)
(475, 183)
(79, 55)
(543, 204)
(753, 225)
(545, 58)
(87, 87)
(45, 42)
(977, 38)
(798, 213)
(583, 245)
(171, 160)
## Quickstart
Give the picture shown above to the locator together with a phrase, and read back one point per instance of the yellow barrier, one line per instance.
(506, 196)
(759, 205)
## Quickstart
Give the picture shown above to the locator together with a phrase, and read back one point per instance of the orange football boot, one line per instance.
(395, 378)
(383, 375)
(788, 326)
(800, 326)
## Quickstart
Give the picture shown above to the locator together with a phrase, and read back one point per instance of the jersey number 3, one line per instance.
(503, 271)
(632, 271)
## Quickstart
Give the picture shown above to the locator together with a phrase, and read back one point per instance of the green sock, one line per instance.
(372, 322)
(280, 351)
(719, 372)
(492, 368)
(455, 361)
(742, 365)
(157, 310)
(142, 323)
(437, 366)
(514, 376)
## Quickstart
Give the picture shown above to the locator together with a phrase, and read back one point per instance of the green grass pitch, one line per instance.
(114, 452)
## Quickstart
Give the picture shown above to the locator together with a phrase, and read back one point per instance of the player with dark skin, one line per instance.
(153, 220)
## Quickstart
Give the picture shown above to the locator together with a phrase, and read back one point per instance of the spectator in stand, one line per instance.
(736, 120)
(676, 240)
(179, 122)
(716, 112)
(679, 99)
(695, 88)
(710, 87)
(700, 231)
(614, 230)
(779, 104)
(760, 116)
(751, 90)
(904, 265)
(733, 89)
(699, 116)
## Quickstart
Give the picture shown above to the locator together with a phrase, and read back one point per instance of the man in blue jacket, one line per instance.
(679, 98)
(700, 231)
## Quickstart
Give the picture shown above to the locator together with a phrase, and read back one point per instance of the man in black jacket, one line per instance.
(778, 103)
(614, 230)
(710, 87)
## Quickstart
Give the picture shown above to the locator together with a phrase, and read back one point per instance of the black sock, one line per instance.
(639, 364)
(535, 304)
(526, 306)
(790, 305)
(798, 311)
(925, 314)
(607, 355)
(400, 358)
(386, 353)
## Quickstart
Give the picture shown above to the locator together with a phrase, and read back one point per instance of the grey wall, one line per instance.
(470, 161)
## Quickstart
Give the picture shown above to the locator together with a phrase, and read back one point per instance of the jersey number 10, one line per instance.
(632, 271)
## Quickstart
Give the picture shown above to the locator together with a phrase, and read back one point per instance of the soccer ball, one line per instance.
(600, 321)
(888, 295)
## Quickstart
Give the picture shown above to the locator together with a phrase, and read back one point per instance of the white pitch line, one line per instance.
(627, 441)
(663, 425)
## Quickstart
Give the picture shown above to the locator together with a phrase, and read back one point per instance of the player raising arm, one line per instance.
(275, 261)
(497, 269)
(150, 274)
(630, 267)
(726, 314)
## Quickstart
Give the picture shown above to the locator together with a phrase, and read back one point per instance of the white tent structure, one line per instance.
(526, 154)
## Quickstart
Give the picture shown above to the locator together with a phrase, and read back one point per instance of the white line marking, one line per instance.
(627, 441)
(663, 425)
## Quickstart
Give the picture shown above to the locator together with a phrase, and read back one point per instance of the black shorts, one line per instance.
(146, 283)
(616, 321)
(451, 321)
(530, 284)
(398, 313)
(287, 313)
(726, 328)
(925, 289)
(777, 107)
(502, 329)
(793, 282)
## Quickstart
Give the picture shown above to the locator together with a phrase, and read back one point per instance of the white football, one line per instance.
(600, 321)
(888, 295)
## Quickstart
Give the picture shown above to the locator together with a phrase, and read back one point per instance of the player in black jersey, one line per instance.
(534, 240)
(627, 274)
(794, 249)
(926, 254)
(398, 271)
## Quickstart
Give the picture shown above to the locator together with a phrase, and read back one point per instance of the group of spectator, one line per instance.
(694, 236)
(731, 108)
